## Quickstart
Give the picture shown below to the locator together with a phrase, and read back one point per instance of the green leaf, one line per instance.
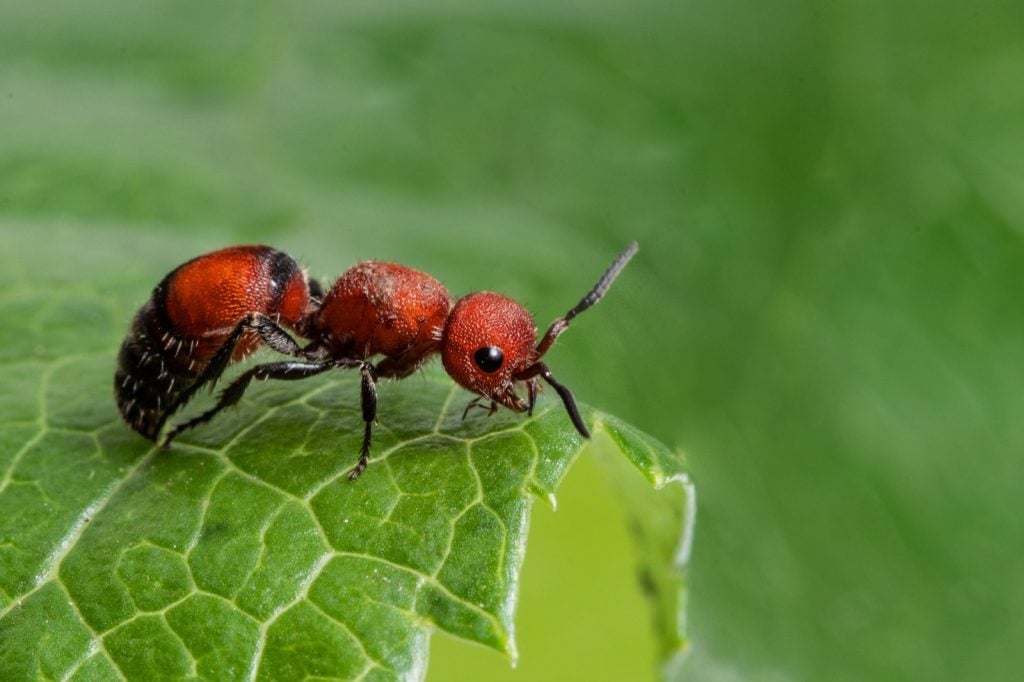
(243, 552)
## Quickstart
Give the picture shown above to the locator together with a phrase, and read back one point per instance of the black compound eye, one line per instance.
(488, 358)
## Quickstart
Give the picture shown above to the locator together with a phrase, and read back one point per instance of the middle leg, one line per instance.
(368, 395)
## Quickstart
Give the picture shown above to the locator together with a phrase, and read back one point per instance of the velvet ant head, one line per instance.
(489, 344)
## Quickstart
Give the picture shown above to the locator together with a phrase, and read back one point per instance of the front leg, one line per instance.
(531, 392)
(479, 402)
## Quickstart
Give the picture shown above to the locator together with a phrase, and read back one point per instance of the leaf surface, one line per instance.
(243, 552)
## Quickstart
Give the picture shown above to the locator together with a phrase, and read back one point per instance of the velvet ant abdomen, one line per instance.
(383, 309)
(190, 317)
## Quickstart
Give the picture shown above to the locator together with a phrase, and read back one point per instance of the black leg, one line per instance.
(475, 402)
(479, 401)
(287, 371)
(531, 392)
(274, 335)
(369, 403)
(271, 333)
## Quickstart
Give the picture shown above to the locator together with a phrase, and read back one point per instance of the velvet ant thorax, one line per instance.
(488, 341)
(378, 308)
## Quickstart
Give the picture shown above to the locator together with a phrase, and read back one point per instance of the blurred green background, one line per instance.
(825, 313)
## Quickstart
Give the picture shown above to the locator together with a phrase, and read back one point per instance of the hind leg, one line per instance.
(285, 371)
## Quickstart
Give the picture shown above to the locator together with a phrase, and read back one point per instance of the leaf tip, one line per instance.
(511, 652)
(543, 492)
(657, 462)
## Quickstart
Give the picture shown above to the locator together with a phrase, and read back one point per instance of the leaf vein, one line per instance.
(370, 660)
(270, 519)
(302, 595)
(52, 563)
(429, 579)
(97, 642)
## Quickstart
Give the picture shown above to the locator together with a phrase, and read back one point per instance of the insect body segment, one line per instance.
(189, 318)
(383, 319)
(382, 309)
(488, 342)
(378, 309)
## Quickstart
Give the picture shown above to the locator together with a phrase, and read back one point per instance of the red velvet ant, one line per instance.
(217, 308)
